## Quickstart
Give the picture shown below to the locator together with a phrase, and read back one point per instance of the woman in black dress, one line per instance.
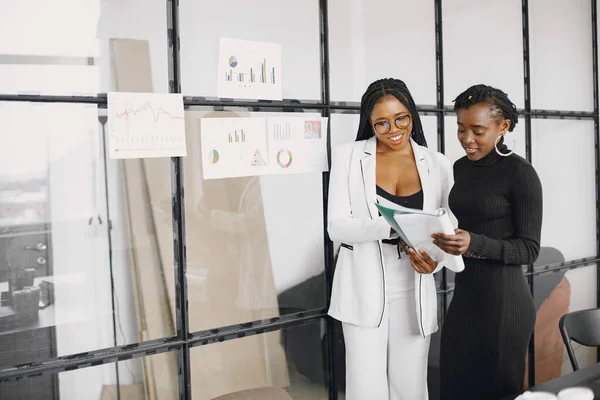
(497, 199)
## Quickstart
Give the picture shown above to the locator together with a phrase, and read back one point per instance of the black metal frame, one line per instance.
(527, 97)
(184, 340)
(594, 13)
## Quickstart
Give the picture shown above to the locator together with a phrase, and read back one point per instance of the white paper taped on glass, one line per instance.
(235, 147)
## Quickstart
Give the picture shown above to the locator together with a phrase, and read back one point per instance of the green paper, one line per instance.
(388, 215)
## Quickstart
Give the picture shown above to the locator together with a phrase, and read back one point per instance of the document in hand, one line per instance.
(415, 228)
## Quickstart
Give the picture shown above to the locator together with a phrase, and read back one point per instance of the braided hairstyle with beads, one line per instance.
(388, 87)
(501, 106)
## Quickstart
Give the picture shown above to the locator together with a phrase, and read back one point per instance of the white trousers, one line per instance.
(388, 362)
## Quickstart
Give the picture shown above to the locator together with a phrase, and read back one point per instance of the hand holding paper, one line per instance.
(415, 228)
(456, 244)
(421, 261)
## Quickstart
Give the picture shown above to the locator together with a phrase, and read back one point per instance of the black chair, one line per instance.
(583, 327)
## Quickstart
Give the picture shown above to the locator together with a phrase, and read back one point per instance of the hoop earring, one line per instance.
(504, 154)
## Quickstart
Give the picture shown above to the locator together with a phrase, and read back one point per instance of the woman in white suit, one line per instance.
(386, 300)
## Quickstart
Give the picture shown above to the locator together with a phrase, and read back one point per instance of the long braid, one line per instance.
(501, 105)
(398, 89)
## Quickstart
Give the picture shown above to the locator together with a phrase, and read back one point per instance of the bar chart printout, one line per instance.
(249, 70)
(237, 136)
(145, 125)
(233, 147)
(282, 131)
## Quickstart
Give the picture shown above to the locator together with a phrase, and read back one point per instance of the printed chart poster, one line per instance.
(297, 145)
(146, 125)
(249, 70)
(233, 147)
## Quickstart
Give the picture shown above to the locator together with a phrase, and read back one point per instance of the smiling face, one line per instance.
(392, 123)
(479, 126)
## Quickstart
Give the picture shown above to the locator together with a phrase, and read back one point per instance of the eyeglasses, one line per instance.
(383, 127)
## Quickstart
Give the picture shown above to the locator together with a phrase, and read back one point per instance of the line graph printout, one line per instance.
(146, 125)
(249, 70)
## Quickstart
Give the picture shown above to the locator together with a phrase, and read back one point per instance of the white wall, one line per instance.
(561, 55)
(294, 24)
(382, 38)
(561, 78)
(483, 44)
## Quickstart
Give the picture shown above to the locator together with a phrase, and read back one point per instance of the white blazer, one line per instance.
(358, 293)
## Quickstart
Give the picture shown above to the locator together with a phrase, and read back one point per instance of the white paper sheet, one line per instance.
(233, 147)
(249, 70)
(146, 125)
(415, 227)
(298, 144)
(419, 228)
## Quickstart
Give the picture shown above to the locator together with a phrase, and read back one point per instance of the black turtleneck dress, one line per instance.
(491, 316)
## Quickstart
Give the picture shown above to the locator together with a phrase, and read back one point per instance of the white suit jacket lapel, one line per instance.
(424, 168)
(367, 166)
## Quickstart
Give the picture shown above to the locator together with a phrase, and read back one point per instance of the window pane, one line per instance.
(76, 52)
(483, 43)
(568, 184)
(293, 24)
(561, 72)
(50, 30)
(343, 129)
(559, 293)
(555, 295)
(254, 244)
(431, 131)
(58, 255)
(370, 40)
(292, 359)
(152, 377)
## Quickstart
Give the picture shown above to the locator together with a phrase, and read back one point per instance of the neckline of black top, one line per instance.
(491, 158)
(392, 197)
(400, 200)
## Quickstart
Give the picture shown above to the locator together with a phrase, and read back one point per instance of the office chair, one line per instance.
(583, 327)
(265, 393)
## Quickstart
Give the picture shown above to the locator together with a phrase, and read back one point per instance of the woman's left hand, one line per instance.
(422, 263)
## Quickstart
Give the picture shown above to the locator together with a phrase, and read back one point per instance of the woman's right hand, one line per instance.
(456, 244)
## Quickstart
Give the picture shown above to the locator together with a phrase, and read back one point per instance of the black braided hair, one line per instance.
(501, 106)
(388, 87)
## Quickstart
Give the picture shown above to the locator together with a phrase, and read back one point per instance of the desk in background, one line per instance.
(586, 377)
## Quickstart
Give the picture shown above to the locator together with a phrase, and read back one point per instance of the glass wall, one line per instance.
(103, 296)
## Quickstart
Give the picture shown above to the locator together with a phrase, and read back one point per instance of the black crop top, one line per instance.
(414, 200)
